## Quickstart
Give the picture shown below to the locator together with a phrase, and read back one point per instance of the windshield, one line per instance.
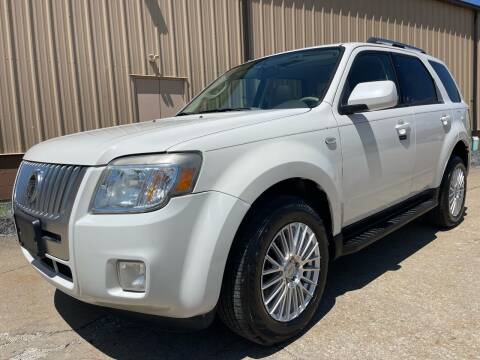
(297, 79)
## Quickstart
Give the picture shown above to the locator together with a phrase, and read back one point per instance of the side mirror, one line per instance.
(374, 95)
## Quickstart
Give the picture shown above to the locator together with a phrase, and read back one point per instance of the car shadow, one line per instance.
(123, 338)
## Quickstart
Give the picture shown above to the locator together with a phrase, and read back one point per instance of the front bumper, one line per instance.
(184, 245)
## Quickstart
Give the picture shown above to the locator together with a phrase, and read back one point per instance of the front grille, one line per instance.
(47, 190)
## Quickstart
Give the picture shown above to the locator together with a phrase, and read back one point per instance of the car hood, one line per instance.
(99, 147)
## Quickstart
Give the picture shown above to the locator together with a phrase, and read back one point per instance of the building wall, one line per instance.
(75, 65)
(69, 66)
(442, 29)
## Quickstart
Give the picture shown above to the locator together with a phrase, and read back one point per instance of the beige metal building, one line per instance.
(75, 65)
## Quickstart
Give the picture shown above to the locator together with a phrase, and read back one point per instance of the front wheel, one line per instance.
(451, 206)
(276, 272)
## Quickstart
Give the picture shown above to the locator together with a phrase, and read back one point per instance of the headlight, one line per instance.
(145, 183)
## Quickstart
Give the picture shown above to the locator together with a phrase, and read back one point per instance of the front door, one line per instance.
(378, 147)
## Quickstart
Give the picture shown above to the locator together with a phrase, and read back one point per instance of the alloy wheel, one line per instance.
(456, 192)
(290, 271)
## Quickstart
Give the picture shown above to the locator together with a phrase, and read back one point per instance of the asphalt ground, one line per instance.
(413, 295)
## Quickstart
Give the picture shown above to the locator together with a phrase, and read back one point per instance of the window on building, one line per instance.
(447, 81)
(416, 83)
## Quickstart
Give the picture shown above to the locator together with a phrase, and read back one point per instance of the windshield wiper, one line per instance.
(217, 110)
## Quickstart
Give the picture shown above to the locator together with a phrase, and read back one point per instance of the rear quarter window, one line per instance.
(447, 81)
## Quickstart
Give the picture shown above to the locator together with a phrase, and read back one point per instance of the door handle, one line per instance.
(402, 129)
(330, 140)
(445, 120)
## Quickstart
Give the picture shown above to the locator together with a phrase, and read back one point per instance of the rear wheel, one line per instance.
(276, 272)
(451, 207)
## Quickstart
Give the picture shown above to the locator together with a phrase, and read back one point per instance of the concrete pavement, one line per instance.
(414, 294)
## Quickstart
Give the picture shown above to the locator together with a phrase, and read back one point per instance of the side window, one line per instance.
(367, 67)
(447, 81)
(416, 84)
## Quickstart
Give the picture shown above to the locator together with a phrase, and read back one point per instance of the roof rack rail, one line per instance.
(376, 40)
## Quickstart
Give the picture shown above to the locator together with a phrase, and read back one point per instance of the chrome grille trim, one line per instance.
(56, 190)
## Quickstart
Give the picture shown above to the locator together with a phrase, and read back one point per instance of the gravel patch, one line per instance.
(476, 158)
(5, 209)
(6, 222)
(6, 226)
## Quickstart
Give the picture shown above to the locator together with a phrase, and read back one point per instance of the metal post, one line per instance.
(475, 129)
(247, 53)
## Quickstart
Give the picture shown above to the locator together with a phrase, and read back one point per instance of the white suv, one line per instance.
(237, 205)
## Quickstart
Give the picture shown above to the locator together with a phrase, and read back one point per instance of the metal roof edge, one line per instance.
(465, 3)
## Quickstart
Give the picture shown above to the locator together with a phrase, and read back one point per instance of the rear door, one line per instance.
(432, 117)
(377, 160)
(458, 107)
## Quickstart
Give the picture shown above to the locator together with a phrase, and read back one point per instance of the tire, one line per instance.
(444, 215)
(244, 290)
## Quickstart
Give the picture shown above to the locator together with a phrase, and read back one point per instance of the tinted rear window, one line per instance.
(417, 86)
(447, 81)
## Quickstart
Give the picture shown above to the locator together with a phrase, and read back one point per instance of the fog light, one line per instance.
(131, 275)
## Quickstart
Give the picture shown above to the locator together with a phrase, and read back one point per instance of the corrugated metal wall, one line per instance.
(440, 28)
(66, 65)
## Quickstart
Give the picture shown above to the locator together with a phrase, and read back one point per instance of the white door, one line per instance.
(430, 133)
(378, 147)
(434, 124)
(432, 115)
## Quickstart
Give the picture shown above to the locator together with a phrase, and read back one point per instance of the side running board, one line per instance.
(360, 235)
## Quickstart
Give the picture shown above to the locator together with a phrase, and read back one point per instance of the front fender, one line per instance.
(246, 171)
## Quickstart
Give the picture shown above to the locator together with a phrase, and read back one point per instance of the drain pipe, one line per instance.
(247, 44)
(475, 130)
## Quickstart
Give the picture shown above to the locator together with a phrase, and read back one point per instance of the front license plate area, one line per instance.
(29, 230)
